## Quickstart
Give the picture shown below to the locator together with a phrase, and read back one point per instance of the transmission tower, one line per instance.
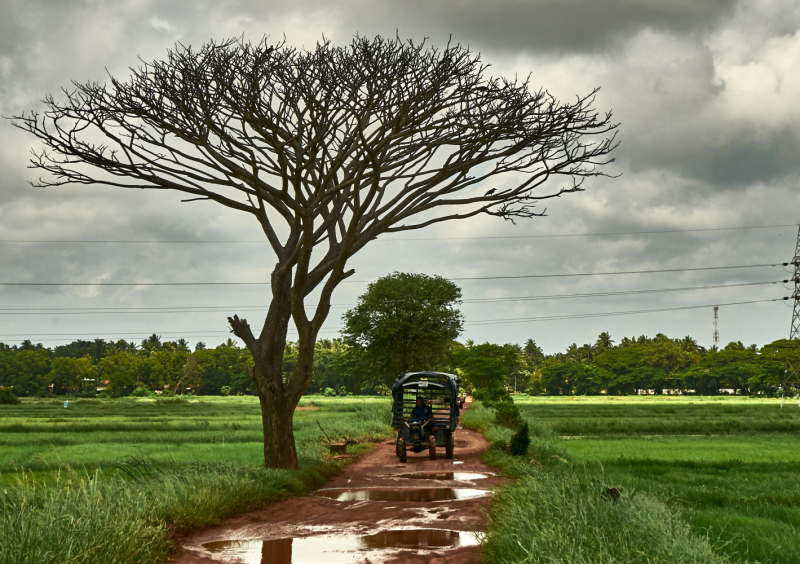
(791, 377)
(716, 327)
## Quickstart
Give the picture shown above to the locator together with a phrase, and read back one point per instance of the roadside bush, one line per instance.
(521, 440)
(329, 392)
(167, 394)
(342, 391)
(225, 390)
(141, 392)
(7, 397)
(507, 414)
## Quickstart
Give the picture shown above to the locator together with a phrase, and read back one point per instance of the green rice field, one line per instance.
(730, 465)
(42, 436)
(104, 481)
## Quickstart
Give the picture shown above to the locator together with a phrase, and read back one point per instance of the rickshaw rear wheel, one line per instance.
(450, 444)
(432, 447)
(401, 450)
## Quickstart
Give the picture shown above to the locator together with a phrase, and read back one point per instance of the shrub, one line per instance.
(167, 394)
(141, 392)
(329, 392)
(507, 414)
(225, 390)
(521, 440)
(342, 391)
(7, 397)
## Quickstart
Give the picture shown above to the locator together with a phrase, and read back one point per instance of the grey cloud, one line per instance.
(513, 25)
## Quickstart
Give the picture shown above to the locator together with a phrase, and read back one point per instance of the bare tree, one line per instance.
(326, 149)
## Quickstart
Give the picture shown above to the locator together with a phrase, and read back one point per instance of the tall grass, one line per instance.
(133, 514)
(557, 517)
(555, 514)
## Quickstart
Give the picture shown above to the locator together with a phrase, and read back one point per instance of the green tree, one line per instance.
(404, 322)
(26, 371)
(121, 370)
(69, 374)
(485, 367)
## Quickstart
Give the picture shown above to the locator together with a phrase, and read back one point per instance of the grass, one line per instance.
(722, 470)
(553, 514)
(117, 481)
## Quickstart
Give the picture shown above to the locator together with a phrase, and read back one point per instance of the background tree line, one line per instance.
(635, 365)
(403, 322)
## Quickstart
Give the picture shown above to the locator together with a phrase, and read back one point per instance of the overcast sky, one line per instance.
(706, 94)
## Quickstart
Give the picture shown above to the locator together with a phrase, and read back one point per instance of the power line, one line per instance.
(367, 281)
(619, 272)
(262, 241)
(620, 293)
(610, 313)
(480, 322)
(241, 309)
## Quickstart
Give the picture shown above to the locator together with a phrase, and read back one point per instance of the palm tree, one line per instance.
(603, 341)
(689, 345)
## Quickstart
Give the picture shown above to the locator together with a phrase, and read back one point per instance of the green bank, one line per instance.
(699, 480)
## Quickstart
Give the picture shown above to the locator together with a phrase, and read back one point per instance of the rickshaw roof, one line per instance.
(435, 379)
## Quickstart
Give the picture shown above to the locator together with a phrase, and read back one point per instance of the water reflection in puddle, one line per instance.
(466, 476)
(337, 550)
(403, 494)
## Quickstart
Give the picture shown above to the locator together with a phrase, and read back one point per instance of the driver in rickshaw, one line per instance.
(424, 412)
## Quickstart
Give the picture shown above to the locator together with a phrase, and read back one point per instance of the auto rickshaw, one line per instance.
(440, 391)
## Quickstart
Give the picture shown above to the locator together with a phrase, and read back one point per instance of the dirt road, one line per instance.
(373, 512)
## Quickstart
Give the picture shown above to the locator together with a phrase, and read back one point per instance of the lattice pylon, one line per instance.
(791, 377)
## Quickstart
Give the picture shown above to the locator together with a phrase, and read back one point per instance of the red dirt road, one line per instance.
(314, 517)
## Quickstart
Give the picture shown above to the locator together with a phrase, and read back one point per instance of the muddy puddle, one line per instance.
(418, 495)
(458, 476)
(337, 549)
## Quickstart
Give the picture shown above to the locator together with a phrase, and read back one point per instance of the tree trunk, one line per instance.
(278, 396)
(277, 418)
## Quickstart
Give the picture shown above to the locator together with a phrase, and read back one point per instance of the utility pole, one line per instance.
(791, 377)
(716, 327)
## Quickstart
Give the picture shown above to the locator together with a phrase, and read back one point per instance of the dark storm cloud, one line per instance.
(542, 25)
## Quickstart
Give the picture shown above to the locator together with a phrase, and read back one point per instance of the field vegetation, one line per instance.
(119, 480)
(656, 479)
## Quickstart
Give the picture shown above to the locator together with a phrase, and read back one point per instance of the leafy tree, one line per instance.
(121, 370)
(664, 354)
(26, 371)
(404, 322)
(624, 370)
(603, 342)
(68, 374)
(485, 367)
(326, 149)
(568, 377)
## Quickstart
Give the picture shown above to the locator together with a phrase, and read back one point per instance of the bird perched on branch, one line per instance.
(490, 192)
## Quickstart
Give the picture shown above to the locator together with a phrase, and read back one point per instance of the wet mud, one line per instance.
(378, 511)
(337, 549)
(448, 476)
(403, 494)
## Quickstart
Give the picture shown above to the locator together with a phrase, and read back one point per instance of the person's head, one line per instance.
(420, 403)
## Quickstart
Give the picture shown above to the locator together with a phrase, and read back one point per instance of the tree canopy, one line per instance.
(404, 322)
(326, 149)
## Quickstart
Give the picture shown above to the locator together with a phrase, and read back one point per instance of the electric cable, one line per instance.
(551, 236)
(657, 271)
(247, 309)
(611, 313)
